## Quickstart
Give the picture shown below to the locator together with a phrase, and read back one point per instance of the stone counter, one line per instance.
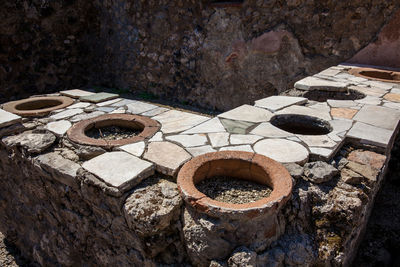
(61, 204)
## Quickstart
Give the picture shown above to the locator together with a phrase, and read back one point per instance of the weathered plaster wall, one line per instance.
(44, 46)
(216, 57)
(222, 57)
(385, 51)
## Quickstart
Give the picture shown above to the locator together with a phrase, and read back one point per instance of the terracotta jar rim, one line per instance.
(58, 102)
(260, 168)
(77, 133)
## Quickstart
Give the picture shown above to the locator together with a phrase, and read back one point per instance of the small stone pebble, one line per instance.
(233, 190)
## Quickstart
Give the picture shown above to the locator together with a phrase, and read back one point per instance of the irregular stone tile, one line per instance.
(266, 129)
(281, 150)
(244, 139)
(236, 127)
(322, 152)
(62, 169)
(369, 100)
(188, 140)
(369, 158)
(98, 97)
(7, 118)
(119, 169)
(377, 92)
(246, 148)
(79, 105)
(341, 103)
(369, 134)
(329, 72)
(274, 103)
(317, 140)
(118, 111)
(59, 128)
(66, 114)
(33, 142)
(319, 113)
(140, 107)
(211, 126)
(219, 139)
(323, 107)
(392, 97)
(86, 116)
(122, 103)
(378, 84)
(158, 137)
(200, 150)
(76, 93)
(392, 105)
(319, 172)
(312, 83)
(340, 125)
(109, 102)
(247, 113)
(135, 149)
(334, 137)
(106, 109)
(175, 121)
(395, 90)
(378, 116)
(154, 112)
(167, 156)
(345, 113)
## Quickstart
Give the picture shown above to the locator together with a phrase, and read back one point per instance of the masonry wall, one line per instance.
(189, 51)
(221, 57)
(44, 46)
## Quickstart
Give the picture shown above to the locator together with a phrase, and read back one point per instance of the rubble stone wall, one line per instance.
(190, 51)
(58, 218)
(45, 46)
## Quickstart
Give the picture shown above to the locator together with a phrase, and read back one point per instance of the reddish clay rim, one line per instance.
(37, 106)
(77, 133)
(238, 164)
(377, 74)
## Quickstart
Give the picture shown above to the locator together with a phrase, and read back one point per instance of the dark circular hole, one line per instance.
(114, 129)
(323, 95)
(301, 124)
(384, 75)
(38, 104)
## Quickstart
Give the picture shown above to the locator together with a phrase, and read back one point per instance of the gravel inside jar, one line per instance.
(233, 190)
(112, 133)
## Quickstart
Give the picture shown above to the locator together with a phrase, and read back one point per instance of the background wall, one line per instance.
(189, 51)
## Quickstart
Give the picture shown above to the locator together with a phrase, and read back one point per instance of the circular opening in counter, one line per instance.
(377, 74)
(301, 124)
(234, 166)
(323, 95)
(37, 106)
(112, 130)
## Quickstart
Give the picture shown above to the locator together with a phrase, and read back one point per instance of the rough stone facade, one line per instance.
(45, 46)
(189, 51)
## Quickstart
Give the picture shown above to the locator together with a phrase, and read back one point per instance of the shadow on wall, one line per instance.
(385, 51)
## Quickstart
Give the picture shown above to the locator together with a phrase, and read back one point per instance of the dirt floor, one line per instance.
(380, 247)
